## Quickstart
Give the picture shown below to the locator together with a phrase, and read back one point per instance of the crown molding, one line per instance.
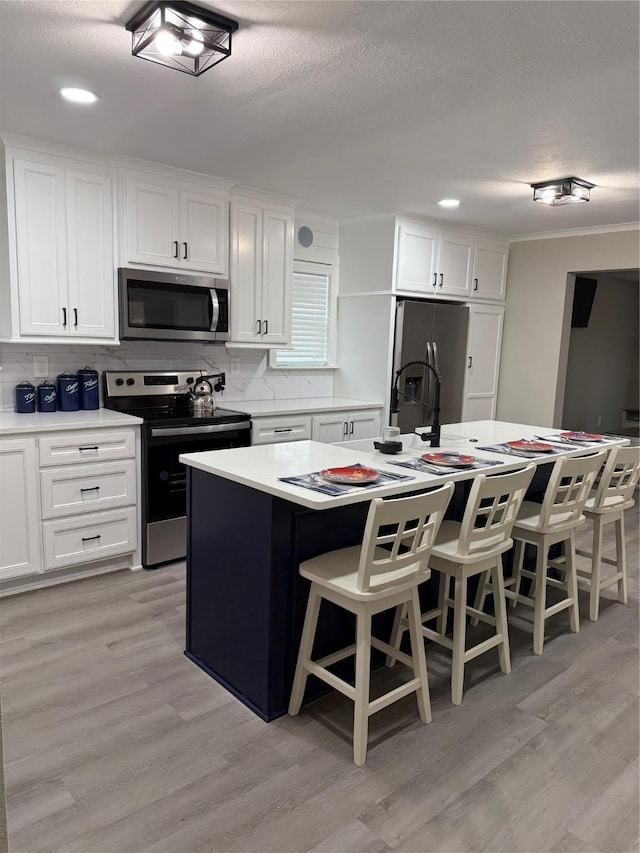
(576, 232)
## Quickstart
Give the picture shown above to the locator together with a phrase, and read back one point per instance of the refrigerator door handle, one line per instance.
(435, 356)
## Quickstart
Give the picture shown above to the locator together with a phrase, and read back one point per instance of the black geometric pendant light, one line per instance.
(181, 36)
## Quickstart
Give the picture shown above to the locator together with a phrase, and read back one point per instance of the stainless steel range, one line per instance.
(164, 399)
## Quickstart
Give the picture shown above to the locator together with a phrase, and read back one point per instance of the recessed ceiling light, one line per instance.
(79, 96)
(449, 202)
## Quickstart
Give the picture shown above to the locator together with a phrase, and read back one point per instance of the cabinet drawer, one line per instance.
(87, 538)
(87, 488)
(86, 446)
(271, 430)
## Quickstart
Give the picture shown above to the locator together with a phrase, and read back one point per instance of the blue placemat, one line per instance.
(419, 464)
(529, 454)
(315, 483)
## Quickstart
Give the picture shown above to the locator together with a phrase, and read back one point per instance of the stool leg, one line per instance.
(396, 632)
(481, 594)
(500, 610)
(419, 657)
(361, 702)
(596, 566)
(304, 654)
(518, 558)
(540, 601)
(443, 594)
(459, 629)
(572, 582)
(621, 559)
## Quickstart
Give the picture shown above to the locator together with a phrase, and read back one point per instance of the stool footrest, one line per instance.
(482, 647)
(396, 654)
(341, 654)
(556, 608)
(430, 634)
(330, 678)
(521, 599)
(393, 696)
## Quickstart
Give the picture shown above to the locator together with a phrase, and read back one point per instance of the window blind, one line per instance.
(309, 320)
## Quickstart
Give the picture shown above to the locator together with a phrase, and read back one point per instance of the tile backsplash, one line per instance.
(248, 375)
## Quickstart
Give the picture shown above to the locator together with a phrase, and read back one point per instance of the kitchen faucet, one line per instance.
(434, 435)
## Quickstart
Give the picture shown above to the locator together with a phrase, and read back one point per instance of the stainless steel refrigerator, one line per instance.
(437, 333)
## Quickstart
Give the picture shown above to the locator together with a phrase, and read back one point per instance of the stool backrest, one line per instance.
(409, 526)
(569, 485)
(619, 477)
(491, 510)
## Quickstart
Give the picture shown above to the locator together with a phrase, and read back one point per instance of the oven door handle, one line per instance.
(215, 309)
(199, 430)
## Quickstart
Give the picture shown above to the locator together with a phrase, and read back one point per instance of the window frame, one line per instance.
(331, 271)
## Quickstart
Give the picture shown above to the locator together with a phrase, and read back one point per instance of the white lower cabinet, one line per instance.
(20, 544)
(346, 426)
(483, 362)
(86, 538)
(286, 428)
(68, 501)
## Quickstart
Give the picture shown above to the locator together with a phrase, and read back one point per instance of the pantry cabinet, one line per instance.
(261, 268)
(483, 362)
(175, 224)
(61, 283)
(20, 531)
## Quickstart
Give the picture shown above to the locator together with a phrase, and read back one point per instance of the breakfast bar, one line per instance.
(249, 529)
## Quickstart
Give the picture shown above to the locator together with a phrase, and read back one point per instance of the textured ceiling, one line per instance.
(358, 107)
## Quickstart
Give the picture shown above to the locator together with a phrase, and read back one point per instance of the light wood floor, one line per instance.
(115, 743)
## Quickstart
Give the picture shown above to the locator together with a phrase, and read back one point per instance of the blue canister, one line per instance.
(25, 398)
(47, 397)
(68, 392)
(89, 394)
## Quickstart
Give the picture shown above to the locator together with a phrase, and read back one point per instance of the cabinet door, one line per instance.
(246, 273)
(330, 427)
(90, 255)
(153, 221)
(415, 258)
(489, 276)
(483, 363)
(454, 265)
(204, 234)
(277, 271)
(19, 517)
(364, 425)
(41, 248)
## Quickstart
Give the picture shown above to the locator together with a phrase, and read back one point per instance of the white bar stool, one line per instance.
(464, 549)
(547, 524)
(606, 505)
(366, 580)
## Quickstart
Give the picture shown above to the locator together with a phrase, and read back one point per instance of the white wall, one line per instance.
(603, 360)
(538, 315)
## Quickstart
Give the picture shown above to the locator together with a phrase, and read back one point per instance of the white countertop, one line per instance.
(12, 422)
(297, 405)
(260, 466)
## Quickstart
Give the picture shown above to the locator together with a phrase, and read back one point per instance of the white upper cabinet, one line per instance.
(455, 257)
(260, 274)
(61, 281)
(415, 257)
(489, 276)
(175, 224)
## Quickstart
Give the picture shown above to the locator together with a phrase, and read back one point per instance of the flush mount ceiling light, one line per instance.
(449, 202)
(562, 191)
(181, 36)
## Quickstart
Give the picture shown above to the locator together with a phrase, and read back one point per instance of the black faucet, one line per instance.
(434, 436)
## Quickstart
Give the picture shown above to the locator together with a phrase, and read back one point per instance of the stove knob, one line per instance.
(131, 381)
(190, 380)
(119, 381)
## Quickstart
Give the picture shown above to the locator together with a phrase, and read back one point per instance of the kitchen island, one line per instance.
(248, 531)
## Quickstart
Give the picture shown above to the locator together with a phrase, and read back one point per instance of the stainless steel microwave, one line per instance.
(172, 307)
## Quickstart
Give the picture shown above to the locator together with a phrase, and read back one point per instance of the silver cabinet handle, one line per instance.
(475, 284)
(441, 279)
(259, 324)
